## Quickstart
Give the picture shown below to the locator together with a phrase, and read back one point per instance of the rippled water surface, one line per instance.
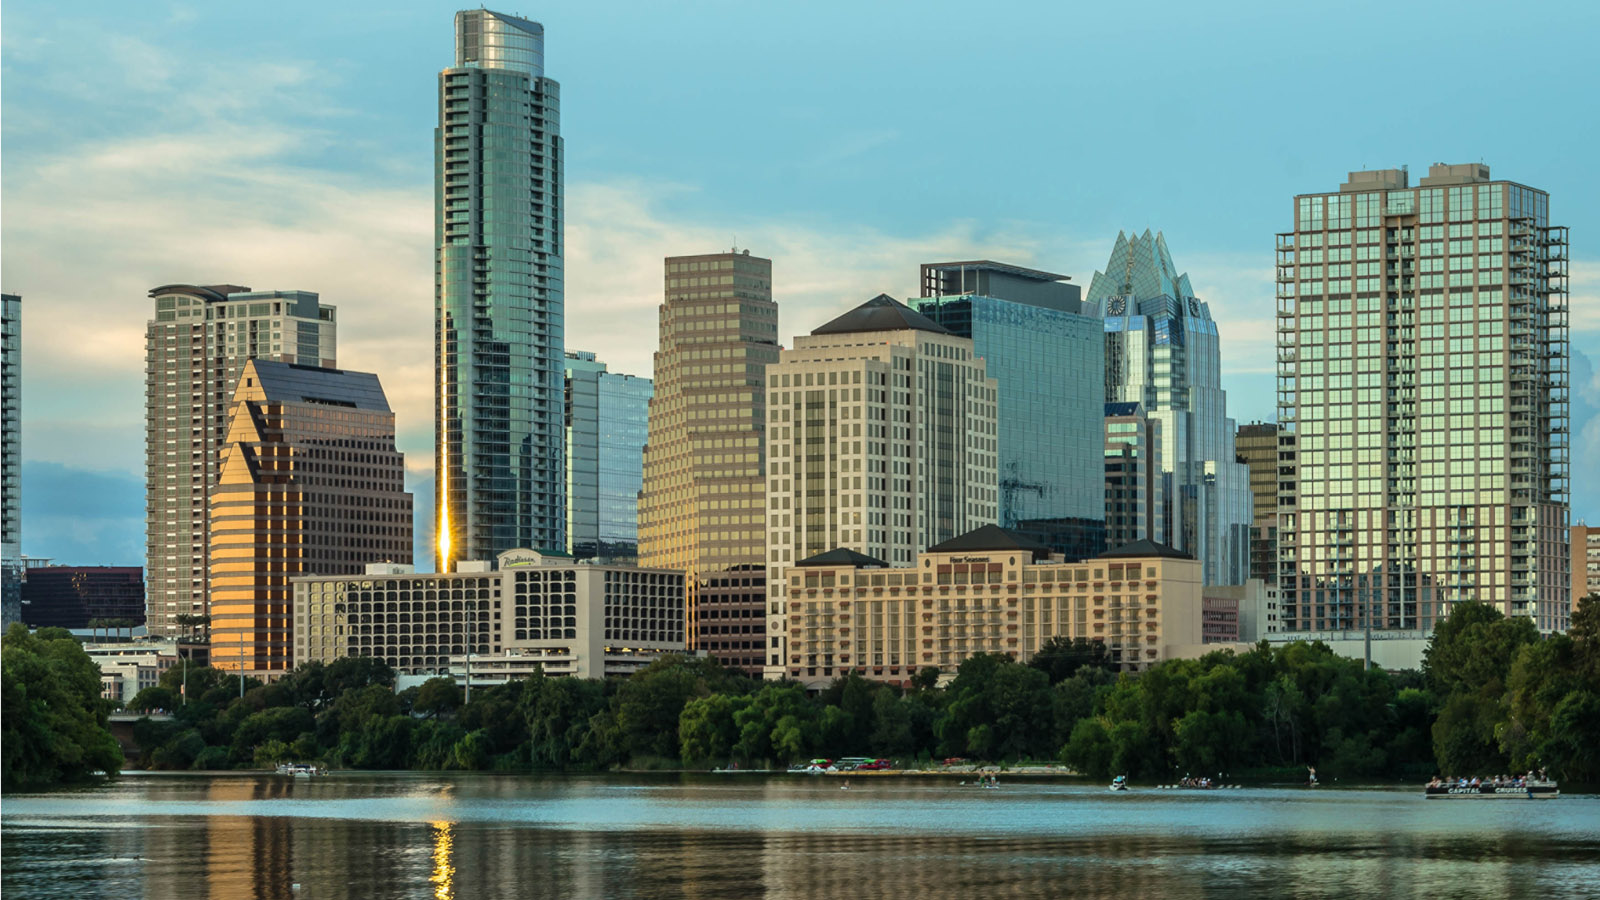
(750, 836)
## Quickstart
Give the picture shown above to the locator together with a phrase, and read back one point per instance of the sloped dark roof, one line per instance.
(840, 556)
(296, 383)
(881, 313)
(1144, 550)
(990, 538)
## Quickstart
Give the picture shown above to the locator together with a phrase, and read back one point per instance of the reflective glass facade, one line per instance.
(1162, 352)
(500, 429)
(1048, 355)
(607, 425)
(1423, 400)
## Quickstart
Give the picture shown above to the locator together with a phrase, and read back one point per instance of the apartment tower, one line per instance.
(310, 483)
(1163, 352)
(701, 508)
(882, 441)
(500, 474)
(1046, 348)
(1423, 397)
(196, 346)
(607, 425)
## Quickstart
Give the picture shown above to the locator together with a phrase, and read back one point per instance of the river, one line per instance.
(379, 835)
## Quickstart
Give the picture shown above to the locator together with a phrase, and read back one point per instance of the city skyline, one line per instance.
(356, 231)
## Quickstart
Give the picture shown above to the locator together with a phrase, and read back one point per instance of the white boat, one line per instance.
(300, 770)
(1119, 783)
(1525, 790)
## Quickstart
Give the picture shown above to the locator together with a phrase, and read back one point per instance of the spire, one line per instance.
(1141, 269)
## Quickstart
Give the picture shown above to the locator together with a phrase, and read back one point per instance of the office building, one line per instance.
(1585, 565)
(882, 439)
(1256, 607)
(525, 612)
(1162, 352)
(1423, 397)
(607, 424)
(1046, 349)
(310, 484)
(195, 348)
(701, 508)
(73, 596)
(128, 668)
(1135, 501)
(10, 459)
(500, 470)
(1256, 445)
(987, 591)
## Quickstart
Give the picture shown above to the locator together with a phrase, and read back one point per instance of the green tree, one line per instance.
(52, 719)
(707, 731)
(1061, 658)
(437, 696)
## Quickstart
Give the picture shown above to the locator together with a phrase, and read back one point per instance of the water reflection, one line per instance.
(261, 838)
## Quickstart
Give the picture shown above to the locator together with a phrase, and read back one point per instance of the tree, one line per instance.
(437, 696)
(1061, 658)
(707, 730)
(52, 719)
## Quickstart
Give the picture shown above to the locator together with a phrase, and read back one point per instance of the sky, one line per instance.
(288, 146)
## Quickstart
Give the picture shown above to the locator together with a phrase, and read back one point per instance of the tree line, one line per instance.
(1492, 697)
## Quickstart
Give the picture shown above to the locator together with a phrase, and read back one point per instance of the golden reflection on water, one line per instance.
(443, 871)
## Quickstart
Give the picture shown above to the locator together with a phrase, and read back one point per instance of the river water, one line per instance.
(711, 837)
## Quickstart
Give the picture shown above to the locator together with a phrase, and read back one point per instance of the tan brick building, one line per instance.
(987, 591)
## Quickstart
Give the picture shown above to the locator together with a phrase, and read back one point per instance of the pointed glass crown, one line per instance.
(1139, 269)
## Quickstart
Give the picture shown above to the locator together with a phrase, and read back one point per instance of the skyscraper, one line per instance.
(10, 459)
(882, 440)
(1423, 395)
(607, 425)
(500, 472)
(1257, 447)
(195, 348)
(1162, 352)
(310, 484)
(1134, 484)
(701, 508)
(1046, 348)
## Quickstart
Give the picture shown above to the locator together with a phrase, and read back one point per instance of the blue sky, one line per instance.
(288, 146)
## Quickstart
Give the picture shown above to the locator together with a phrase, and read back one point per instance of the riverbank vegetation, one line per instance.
(52, 719)
(1493, 697)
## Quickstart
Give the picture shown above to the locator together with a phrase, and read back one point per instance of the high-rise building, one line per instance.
(1256, 445)
(1046, 348)
(1422, 392)
(310, 484)
(701, 508)
(1162, 352)
(1134, 498)
(10, 459)
(195, 348)
(500, 472)
(1585, 564)
(607, 426)
(882, 440)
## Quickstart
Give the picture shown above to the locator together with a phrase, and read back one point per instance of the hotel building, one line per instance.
(310, 484)
(1423, 397)
(882, 439)
(195, 348)
(700, 511)
(536, 611)
(988, 591)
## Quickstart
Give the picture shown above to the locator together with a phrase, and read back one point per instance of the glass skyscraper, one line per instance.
(500, 431)
(1162, 353)
(607, 425)
(1423, 400)
(1046, 349)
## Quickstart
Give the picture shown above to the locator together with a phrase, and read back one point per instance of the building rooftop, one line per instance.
(211, 293)
(881, 313)
(840, 556)
(989, 538)
(1140, 268)
(296, 383)
(989, 265)
(1144, 550)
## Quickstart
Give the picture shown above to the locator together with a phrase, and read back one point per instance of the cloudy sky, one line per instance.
(289, 146)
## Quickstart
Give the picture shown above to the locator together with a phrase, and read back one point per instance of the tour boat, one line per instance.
(302, 770)
(1528, 790)
(1119, 783)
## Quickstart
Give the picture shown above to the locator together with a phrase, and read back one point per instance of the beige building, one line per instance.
(1423, 399)
(700, 510)
(527, 611)
(310, 484)
(1585, 544)
(127, 669)
(196, 346)
(882, 439)
(987, 591)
